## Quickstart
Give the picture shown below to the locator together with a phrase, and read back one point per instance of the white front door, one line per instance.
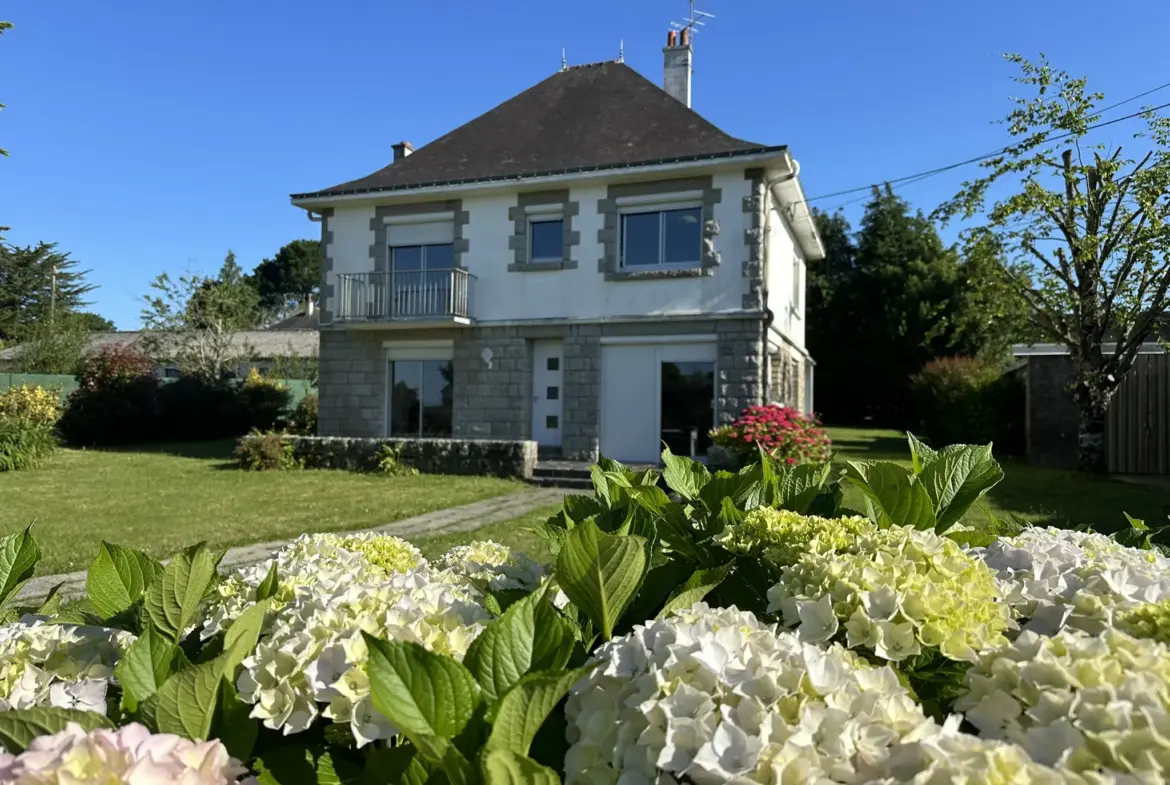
(547, 392)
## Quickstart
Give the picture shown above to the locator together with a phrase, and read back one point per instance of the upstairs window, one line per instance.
(662, 238)
(546, 239)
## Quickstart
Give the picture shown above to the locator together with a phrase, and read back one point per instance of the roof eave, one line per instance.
(322, 199)
(790, 193)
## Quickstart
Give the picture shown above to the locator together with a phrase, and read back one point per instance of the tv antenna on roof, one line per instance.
(694, 21)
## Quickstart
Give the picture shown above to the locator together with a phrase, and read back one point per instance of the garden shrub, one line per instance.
(263, 401)
(782, 432)
(747, 628)
(968, 400)
(390, 462)
(24, 443)
(265, 451)
(303, 419)
(116, 400)
(32, 402)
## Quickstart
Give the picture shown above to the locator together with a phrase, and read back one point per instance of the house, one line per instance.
(267, 348)
(1137, 432)
(590, 265)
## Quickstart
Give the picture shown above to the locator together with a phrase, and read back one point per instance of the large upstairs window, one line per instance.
(667, 237)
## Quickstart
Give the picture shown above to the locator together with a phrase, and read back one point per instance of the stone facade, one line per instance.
(518, 242)
(492, 399)
(753, 240)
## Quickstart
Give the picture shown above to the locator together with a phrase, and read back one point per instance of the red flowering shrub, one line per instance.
(113, 366)
(783, 432)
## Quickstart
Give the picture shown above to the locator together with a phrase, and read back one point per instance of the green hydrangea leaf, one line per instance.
(893, 494)
(19, 554)
(956, 479)
(117, 578)
(525, 707)
(174, 595)
(503, 767)
(145, 666)
(685, 476)
(601, 573)
(18, 727)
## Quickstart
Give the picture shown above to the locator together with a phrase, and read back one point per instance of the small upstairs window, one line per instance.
(665, 237)
(546, 239)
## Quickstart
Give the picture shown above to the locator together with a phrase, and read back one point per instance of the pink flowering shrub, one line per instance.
(783, 432)
(130, 754)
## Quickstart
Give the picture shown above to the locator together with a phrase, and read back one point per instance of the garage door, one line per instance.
(651, 392)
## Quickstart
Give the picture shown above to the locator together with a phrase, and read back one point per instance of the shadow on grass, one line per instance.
(872, 448)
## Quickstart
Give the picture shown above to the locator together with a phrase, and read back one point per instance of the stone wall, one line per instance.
(493, 401)
(497, 458)
(786, 381)
(740, 367)
(351, 388)
(1051, 415)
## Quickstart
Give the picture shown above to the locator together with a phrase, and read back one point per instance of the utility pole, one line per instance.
(53, 295)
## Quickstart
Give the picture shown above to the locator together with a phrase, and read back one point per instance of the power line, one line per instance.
(918, 176)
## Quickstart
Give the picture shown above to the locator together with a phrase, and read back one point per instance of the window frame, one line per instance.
(797, 285)
(389, 416)
(661, 208)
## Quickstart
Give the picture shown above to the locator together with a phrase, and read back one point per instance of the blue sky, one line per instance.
(150, 136)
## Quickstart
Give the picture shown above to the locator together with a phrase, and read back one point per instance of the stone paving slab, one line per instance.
(467, 517)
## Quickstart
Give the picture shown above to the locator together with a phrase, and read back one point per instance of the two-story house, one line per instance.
(590, 265)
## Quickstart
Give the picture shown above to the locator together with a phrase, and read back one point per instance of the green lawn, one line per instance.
(1049, 496)
(162, 498)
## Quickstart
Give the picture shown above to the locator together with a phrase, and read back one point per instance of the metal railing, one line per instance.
(405, 296)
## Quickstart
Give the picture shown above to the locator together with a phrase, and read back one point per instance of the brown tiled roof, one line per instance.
(587, 117)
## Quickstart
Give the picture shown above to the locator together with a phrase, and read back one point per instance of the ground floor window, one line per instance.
(420, 398)
(688, 406)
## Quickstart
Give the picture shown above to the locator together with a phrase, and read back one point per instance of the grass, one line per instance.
(163, 498)
(1053, 497)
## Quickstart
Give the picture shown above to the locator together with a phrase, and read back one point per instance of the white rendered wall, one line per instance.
(783, 256)
(500, 295)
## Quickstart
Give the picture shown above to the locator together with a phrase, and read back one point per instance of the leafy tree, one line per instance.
(27, 286)
(56, 346)
(1087, 233)
(289, 279)
(196, 321)
(94, 323)
(830, 286)
(991, 315)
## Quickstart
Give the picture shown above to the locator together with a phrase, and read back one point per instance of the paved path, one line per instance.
(454, 519)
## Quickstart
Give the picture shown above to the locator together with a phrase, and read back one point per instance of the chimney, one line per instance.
(676, 76)
(401, 150)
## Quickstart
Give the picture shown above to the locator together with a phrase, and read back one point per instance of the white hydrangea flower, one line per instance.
(313, 652)
(952, 758)
(1077, 701)
(70, 667)
(713, 696)
(306, 561)
(130, 754)
(498, 565)
(894, 591)
(1057, 578)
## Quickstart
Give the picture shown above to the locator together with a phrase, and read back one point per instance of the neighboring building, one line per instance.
(591, 265)
(1137, 432)
(264, 347)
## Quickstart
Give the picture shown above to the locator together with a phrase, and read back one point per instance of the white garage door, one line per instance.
(632, 395)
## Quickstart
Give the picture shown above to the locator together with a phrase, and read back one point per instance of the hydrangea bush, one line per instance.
(746, 627)
(784, 433)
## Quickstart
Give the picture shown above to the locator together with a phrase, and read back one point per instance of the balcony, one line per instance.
(416, 298)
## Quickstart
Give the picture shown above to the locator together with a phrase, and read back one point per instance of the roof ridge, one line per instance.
(591, 65)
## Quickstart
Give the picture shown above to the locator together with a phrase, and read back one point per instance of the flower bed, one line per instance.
(746, 629)
(782, 432)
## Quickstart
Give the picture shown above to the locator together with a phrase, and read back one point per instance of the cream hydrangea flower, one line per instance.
(1077, 701)
(784, 536)
(130, 754)
(70, 667)
(714, 696)
(306, 561)
(894, 591)
(500, 567)
(952, 758)
(1056, 578)
(313, 652)
(1147, 621)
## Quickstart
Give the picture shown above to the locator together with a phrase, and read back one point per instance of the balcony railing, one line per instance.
(432, 295)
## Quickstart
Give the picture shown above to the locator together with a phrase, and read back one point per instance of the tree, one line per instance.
(195, 321)
(291, 278)
(56, 346)
(94, 323)
(36, 283)
(991, 315)
(1087, 232)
